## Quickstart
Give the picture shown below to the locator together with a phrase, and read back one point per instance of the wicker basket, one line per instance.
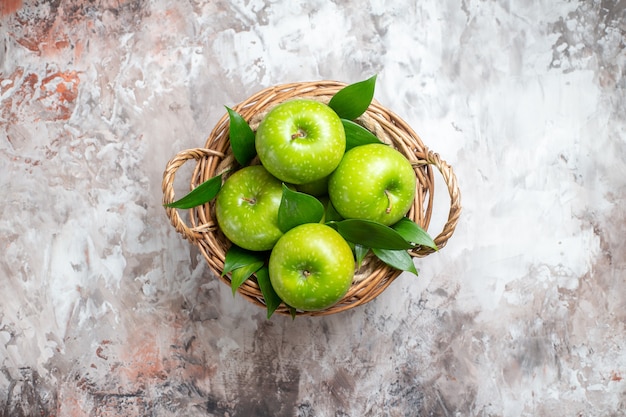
(373, 277)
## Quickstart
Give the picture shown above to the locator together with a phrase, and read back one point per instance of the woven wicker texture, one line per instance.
(216, 157)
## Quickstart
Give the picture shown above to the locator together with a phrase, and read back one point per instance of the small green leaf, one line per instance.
(203, 193)
(331, 213)
(351, 101)
(240, 275)
(237, 257)
(399, 259)
(292, 312)
(272, 300)
(357, 135)
(413, 233)
(370, 234)
(241, 138)
(360, 251)
(297, 208)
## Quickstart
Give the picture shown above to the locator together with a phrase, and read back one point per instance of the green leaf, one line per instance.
(351, 101)
(413, 233)
(297, 208)
(331, 213)
(241, 138)
(357, 135)
(203, 193)
(360, 251)
(370, 234)
(272, 300)
(292, 312)
(237, 257)
(240, 275)
(399, 259)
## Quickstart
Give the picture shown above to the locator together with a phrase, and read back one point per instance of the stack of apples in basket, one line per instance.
(312, 193)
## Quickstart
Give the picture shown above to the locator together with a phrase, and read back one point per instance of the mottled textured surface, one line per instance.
(106, 311)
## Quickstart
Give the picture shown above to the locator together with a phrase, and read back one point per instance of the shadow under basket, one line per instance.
(373, 277)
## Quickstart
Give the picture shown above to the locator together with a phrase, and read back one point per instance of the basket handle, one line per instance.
(193, 234)
(450, 180)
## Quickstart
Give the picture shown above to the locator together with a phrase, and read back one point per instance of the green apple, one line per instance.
(246, 208)
(316, 188)
(311, 267)
(373, 182)
(300, 141)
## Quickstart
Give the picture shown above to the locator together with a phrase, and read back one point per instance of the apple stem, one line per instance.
(389, 207)
(249, 200)
(306, 273)
(299, 134)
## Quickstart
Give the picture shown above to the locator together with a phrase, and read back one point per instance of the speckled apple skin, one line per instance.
(303, 159)
(321, 251)
(252, 226)
(369, 180)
